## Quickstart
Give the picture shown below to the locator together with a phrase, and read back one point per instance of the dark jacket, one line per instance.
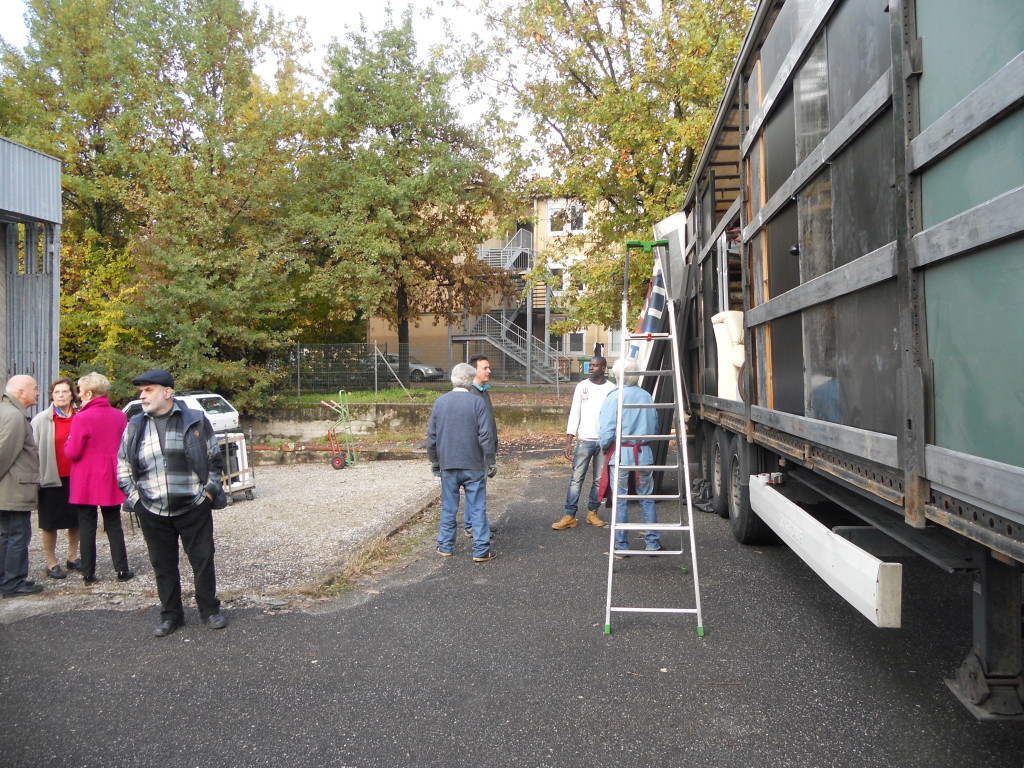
(202, 454)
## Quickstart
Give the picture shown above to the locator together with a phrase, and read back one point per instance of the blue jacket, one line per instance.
(635, 421)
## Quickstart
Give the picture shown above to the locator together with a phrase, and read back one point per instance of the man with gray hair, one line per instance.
(634, 451)
(461, 446)
(19, 485)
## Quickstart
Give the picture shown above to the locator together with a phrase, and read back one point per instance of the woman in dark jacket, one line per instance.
(92, 448)
(50, 429)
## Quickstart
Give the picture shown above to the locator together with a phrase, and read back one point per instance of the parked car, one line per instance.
(417, 371)
(220, 412)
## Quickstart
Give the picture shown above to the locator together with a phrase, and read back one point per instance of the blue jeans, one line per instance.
(645, 485)
(587, 454)
(474, 483)
(15, 534)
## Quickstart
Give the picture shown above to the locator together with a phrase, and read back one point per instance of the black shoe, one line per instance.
(25, 589)
(74, 565)
(126, 575)
(217, 621)
(89, 579)
(166, 627)
(56, 572)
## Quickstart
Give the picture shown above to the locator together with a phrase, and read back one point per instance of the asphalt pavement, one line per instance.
(443, 662)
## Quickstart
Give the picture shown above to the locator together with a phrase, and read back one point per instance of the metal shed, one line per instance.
(30, 219)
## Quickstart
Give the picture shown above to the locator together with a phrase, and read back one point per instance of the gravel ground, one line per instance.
(304, 524)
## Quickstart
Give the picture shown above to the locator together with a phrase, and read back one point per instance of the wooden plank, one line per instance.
(973, 478)
(871, 446)
(853, 124)
(1000, 218)
(797, 53)
(985, 105)
(871, 269)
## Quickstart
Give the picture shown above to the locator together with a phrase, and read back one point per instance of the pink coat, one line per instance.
(92, 447)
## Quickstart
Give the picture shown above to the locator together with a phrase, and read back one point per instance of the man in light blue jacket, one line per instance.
(634, 452)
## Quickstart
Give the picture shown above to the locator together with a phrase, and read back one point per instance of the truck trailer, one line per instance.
(848, 273)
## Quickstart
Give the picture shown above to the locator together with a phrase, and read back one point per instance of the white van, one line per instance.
(220, 412)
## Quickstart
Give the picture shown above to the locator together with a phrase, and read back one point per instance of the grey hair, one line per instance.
(623, 370)
(463, 375)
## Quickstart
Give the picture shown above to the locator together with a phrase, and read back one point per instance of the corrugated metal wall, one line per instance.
(30, 217)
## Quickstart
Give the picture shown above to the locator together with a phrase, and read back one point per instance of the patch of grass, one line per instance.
(383, 554)
(395, 395)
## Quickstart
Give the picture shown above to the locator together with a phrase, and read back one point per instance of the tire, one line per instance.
(719, 471)
(250, 495)
(747, 527)
(416, 376)
(338, 462)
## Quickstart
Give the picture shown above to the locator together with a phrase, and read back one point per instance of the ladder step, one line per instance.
(624, 609)
(650, 497)
(631, 552)
(651, 527)
(644, 336)
(654, 467)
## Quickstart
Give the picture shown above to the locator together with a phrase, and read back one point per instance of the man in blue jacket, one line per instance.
(461, 446)
(169, 467)
(634, 451)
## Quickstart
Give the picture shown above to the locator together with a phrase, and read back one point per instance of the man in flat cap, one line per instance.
(169, 467)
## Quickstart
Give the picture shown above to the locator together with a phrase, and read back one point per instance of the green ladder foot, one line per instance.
(607, 629)
(700, 631)
(685, 570)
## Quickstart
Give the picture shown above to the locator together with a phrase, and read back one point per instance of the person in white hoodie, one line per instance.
(583, 427)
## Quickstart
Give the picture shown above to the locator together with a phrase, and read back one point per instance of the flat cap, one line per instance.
(157, 376)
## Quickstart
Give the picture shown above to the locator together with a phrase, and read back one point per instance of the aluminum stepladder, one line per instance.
(684, 502)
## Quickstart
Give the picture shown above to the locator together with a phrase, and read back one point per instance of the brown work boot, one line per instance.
(567, 521)
(593, 519)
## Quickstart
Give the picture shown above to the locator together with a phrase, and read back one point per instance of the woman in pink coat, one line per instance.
(92, 447)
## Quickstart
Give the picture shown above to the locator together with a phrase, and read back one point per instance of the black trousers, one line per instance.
(195, 529)
(87, 520)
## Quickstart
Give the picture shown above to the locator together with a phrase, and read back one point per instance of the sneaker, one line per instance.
(567, 521)
(469, 533)
(490, 555)
(594, 520)
(442, 553)
(56, 572)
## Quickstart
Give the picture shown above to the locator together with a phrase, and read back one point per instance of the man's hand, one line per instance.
(492, 470)
(568, 447)
(435, 470)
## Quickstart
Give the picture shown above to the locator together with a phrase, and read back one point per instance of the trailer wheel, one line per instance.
(747, 527)
(719, 450)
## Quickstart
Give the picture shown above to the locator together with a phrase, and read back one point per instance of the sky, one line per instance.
(325, 19)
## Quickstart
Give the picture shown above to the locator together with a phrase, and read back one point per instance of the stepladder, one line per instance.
(649, 467)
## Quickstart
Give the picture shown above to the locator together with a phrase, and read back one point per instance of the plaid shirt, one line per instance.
(166, 481)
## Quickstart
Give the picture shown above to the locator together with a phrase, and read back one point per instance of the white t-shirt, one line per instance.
(584, 415)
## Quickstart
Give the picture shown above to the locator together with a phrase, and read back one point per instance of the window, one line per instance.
(575, 343)
(557, 282)
(565, 217)
(614, 343)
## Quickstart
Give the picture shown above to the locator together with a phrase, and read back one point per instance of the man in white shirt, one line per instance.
(583, 424)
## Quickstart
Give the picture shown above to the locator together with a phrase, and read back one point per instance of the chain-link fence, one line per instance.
(326, 368)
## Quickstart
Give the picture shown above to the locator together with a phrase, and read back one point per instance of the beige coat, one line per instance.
(19, 458)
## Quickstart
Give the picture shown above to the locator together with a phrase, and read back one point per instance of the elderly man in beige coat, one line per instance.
(19, 485)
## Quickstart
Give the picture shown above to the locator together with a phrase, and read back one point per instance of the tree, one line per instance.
(621, 94)
(401, 189)
(179, 169)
